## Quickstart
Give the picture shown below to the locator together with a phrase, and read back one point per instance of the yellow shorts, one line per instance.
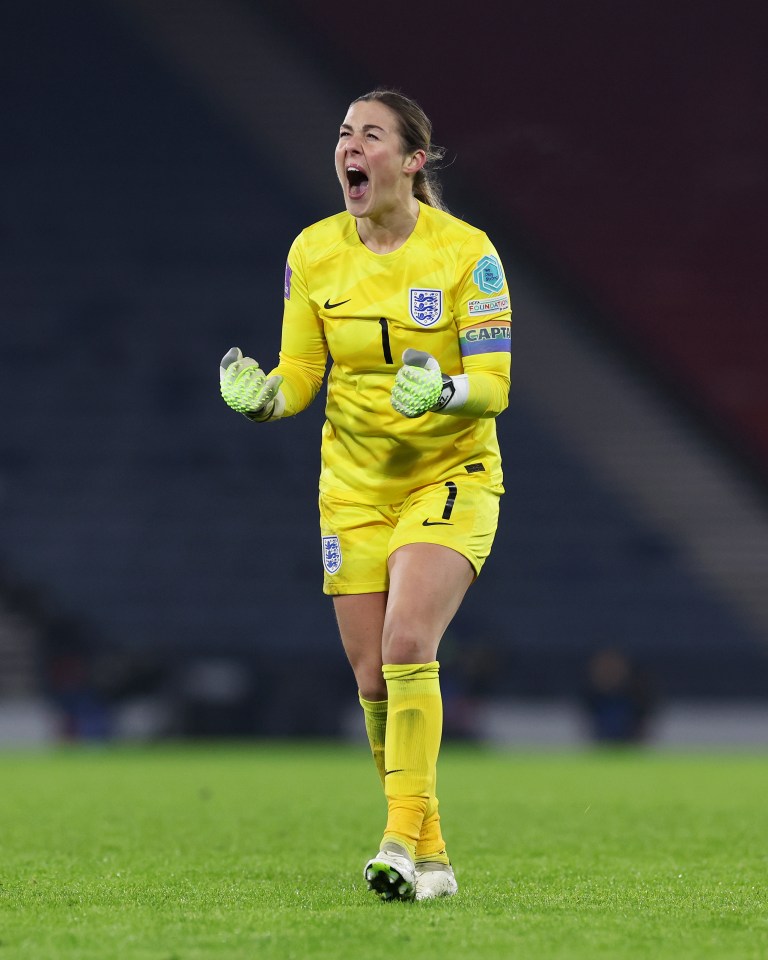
(358, 539)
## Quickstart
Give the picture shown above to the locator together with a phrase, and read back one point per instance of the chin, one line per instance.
(355, 208)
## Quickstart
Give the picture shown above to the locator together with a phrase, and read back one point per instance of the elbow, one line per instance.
(499, 397)
(500, 407)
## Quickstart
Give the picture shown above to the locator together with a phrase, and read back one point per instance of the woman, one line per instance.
(411, 472)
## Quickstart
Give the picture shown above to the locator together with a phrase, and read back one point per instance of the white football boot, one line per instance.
(391, 873)
(434, 879)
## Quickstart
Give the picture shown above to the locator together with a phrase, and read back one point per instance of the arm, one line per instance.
(421, 387)
(294, 382)
(481, 391)
(303, 349)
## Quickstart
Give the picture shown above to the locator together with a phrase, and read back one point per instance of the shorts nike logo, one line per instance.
(436, 523)
(401, 770)
(329, 306)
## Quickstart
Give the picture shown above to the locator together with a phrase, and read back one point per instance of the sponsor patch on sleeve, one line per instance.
(487, 337)
(488, 275)
(481, 308)
(287, 284)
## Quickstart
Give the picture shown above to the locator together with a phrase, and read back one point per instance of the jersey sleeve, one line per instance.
(303, 348)
(483, 316)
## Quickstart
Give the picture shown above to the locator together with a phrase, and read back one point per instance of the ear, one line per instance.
(415, 162)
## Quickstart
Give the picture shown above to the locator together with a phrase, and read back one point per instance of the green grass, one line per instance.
(191, 853)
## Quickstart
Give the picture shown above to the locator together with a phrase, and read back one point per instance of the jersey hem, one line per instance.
(348, 589)
(494, 481)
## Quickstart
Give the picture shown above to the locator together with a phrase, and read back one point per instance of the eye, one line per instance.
(343, 133)
(372, 136)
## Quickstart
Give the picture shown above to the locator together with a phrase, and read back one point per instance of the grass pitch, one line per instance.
(195, 853)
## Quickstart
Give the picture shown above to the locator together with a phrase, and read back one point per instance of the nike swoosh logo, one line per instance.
(436, 523)
(329, 306)
(401, 770)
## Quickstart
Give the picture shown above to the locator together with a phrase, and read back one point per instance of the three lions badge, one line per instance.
(331, 555)
(426, 306)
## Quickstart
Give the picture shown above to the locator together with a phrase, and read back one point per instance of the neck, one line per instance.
(386, 233)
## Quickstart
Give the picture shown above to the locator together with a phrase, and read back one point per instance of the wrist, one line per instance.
(273, 410)
(454, 394)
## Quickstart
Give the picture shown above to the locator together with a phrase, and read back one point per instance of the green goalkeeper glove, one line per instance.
(420, 386)
(246, 388)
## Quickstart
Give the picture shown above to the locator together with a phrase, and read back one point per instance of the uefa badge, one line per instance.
(331, 555)
(426, 306)
(488, 275)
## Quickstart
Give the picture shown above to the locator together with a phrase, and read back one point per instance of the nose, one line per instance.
(352, 143)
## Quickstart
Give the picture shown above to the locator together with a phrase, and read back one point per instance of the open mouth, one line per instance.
(357, 182)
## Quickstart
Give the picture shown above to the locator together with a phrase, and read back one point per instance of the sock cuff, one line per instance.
(373, 707)
(411, 671)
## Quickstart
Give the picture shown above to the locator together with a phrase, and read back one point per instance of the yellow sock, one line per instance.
(414, 729)
(375, 712)
(431, 845)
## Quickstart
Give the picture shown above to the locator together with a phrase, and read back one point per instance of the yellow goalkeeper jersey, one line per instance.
(444, 292)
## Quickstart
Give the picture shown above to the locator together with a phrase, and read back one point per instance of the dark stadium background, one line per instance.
(159, 556)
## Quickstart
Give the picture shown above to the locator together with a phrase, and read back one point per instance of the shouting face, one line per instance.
(375, 173)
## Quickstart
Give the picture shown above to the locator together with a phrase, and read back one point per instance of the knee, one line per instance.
(373, 691)
(404, 642)
(370, 681)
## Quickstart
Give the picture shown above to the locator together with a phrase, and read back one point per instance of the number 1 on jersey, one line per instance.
(385, 341)
(451, 499)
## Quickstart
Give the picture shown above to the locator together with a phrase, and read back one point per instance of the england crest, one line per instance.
(331, 554)
(426, 306)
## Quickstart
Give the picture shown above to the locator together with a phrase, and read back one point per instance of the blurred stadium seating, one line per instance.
(143, 235)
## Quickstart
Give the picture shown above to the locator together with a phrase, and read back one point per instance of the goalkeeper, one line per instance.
(412, 305)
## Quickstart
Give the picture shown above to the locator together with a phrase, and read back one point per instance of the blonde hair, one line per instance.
(416, 134)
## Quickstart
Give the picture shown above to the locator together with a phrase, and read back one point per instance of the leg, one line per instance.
(361, 623)
(427, 584)
(431, 580)
(361, 620)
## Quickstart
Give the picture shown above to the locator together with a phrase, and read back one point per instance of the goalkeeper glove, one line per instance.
(420, 387)
(246, 388)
